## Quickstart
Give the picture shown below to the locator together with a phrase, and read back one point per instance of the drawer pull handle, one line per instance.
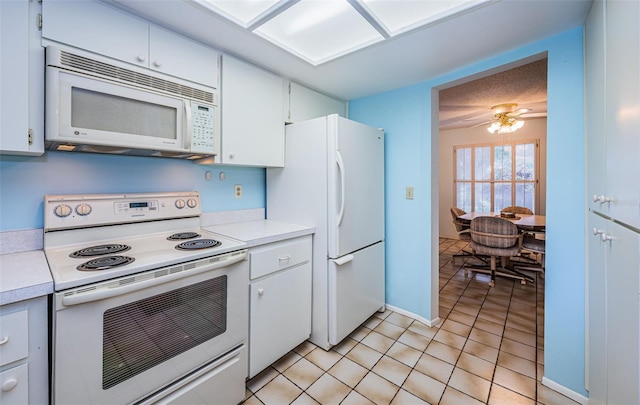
(4, 340)
(9, 385)
(287, 257)
(260, 291)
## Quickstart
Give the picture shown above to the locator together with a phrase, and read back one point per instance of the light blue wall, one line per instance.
(25, 180)
(405, 114)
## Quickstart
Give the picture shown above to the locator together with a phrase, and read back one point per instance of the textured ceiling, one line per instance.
(470, 103)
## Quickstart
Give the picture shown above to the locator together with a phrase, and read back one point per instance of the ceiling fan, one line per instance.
(507, 118)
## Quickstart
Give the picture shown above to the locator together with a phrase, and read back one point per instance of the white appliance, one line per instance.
(148, 307)
(333, 179)
(95, 104)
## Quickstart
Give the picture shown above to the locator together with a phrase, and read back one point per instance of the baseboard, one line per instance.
(429, 323)
(579, 398)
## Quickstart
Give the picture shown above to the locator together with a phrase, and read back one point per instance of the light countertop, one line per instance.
(23, 276)
(260, 232)
(26, 275)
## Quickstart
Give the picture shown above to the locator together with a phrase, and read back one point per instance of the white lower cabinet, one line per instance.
(279, 300)
(613, 315)
(24, 353)
(14, 386)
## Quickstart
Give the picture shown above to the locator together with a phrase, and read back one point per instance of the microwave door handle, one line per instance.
(187, 125)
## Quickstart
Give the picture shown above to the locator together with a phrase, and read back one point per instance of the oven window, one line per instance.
(143, 334)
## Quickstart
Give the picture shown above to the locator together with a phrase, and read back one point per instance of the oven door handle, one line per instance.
(109, 292)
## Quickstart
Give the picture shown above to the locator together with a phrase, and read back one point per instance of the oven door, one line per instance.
(119, 341)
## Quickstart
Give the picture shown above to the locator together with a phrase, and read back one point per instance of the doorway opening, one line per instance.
(507, 313)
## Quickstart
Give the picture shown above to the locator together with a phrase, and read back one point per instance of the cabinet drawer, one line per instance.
(280, 255)
(14, 387)
(14, 337)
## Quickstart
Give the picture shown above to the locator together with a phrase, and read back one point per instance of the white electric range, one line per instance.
(148, 306)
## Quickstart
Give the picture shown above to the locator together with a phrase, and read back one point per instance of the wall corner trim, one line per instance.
(429, 323)
(581, 399)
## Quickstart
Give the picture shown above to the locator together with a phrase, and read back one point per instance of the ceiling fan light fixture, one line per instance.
(506, 118)
(505, 127)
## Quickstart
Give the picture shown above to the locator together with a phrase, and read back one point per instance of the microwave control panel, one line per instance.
(203, 124)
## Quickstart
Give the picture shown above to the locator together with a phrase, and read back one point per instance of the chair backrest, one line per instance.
(494, 232)
(517, 210)
(455, 213)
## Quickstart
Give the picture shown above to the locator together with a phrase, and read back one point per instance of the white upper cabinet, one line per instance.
(613, 110)
(107, 31)
(21, 79)
(303, 104)
(252, 127)
(622, 110)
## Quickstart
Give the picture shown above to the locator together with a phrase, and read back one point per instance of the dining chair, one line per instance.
(462, 227)
(536, 246)
(497, 238)
(517, 210)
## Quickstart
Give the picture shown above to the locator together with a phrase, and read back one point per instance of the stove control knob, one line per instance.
(191, 202)
(83, 209)
(62, 210)
(180, 204)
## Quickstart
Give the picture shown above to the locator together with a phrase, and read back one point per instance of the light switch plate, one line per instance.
(409, 193)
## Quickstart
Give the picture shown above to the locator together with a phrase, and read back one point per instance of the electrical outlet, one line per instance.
(409, 193)
(238, 190)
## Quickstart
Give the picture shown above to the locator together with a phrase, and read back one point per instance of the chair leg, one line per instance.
(506, 271)
(492, 283)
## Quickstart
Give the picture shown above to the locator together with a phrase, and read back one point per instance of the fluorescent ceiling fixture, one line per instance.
(399, 16)
(241, 12)
(318, 31)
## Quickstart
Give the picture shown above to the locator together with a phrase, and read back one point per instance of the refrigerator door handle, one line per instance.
(343, 260)
(342, 187)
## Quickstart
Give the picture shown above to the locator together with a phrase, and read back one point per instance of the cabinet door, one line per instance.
(98, 28)
(622, 253)
(595, 106)
(280, 315)
(252, 126)
(14, 384)
(180, 57)
(596, 378)
(623, 109)
(21, 80)
(304, 104)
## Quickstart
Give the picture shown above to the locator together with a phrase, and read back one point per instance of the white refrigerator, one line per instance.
(333, 180)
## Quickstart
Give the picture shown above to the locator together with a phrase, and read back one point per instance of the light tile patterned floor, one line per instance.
(488, 349)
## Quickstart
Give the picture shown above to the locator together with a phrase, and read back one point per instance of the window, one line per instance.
(490, 177)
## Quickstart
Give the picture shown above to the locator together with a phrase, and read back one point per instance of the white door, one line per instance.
(355, 186)
(356, 290)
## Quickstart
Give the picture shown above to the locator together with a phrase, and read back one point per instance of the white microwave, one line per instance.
(96, 104)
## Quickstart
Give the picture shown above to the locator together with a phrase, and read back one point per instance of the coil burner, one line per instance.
(198, 244)
(183, 236)
(100, 250)
(105, 263)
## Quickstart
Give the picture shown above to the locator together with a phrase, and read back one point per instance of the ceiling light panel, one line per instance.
(241, 12)
(319, 30)
(404, 15)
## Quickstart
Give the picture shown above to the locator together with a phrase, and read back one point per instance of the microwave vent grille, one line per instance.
(88, 65)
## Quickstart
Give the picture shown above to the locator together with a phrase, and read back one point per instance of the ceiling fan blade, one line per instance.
(481, 124)
(534, 115)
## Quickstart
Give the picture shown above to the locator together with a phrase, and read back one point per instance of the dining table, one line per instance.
(524, 222)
